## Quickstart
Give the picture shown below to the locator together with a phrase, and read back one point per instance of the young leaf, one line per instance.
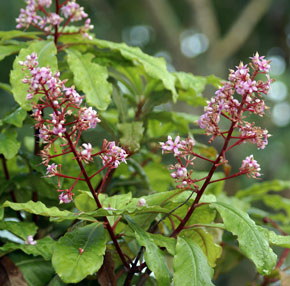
(8, 50)
(79, 253)
(206, 242)
(9, 145)
(16, 118)
(153, 256)
(46, 52)
(275, 239)
(7, 35)
(263, 188)
(91, 78)
(43, 247)
(168, 242)
(20, 229)
(36, 208)
(132, 134)
(6, 87)
(190, 264)
(154, 67)
(251, 240)
(190, 88)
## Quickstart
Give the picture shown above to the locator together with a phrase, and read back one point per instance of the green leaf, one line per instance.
(40, 209)
(261, 189)
(206, 242)
(36, 208)
(190, 264)
(9, 145)
(154, 67)
(73, 266)
(85, 203)
(7, 35)
(214, 80)
(8, 50)
(159, 176)
(21, 229)
(91, 78)
(153, 256)
(35, 270)
(46, 52)
(43, 247)
(277, 202)
(132, 134)
(56, 281)
(190, 88)
(16, 118)
(251, 240)
(275, 239)
(168, 242)
(6, 87)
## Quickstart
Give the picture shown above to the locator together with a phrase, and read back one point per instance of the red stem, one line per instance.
(282, 258)
(56, 35)
(68, 177)
(229, 177)
(211, 172)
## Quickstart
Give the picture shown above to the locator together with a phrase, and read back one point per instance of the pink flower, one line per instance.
(86, 28)
(44, 3)
(54, 19)
(30, 240)
(89, 117)
(64, 198)
(51, 170)
(87, 152)
(261, 63)
(172, 146)
(251, 167)
(58, 130)
(74, 11)
(179, 172)
(113, 155)
(141, 202)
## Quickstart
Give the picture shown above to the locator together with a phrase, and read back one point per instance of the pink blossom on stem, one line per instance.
(251, 167)
(74, 11)
(86, 28)
(113, 155)
(87, 152)
(58, 130)
(180, 172)
(89, 117)
(30, 240)
(44, 3)
(260, 62)
(65, 197)
(51, 170)
(171, 146)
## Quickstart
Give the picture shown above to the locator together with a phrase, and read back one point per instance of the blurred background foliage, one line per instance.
(202, 37)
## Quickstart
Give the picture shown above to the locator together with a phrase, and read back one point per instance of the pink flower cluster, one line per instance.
(64, 119)
(113, 155)
(46, 21)
(249, 99)
(241, 95)
(181, 149)
(251, 167)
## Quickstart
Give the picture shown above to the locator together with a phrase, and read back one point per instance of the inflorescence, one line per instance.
(63, 122)
(37, 14)
(241, 95)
